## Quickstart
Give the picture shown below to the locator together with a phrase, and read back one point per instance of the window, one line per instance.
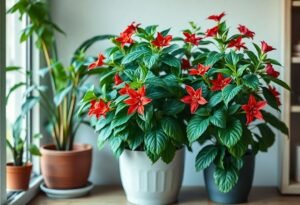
(14, 54)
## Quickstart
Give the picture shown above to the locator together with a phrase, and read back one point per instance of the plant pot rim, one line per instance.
(50, 149)
(11, 164)
(143, 151)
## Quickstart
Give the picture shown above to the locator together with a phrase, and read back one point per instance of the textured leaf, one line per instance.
(213, 57)
(267, 137)
(232, 133)
(120, 119)
(169, 153)
(271, 99)
(218, 118)
(105, 133)
(275, 122)
(172, 129)
(135, 55)
(229, 92)
(225, 179)
(251, 81)
(205, 157)
(155, 141)
(196, 127)
(172, 107)
(215, 99)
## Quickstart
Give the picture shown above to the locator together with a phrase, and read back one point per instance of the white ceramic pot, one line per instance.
(146, 183)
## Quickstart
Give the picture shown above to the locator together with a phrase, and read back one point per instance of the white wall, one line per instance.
(83, 19)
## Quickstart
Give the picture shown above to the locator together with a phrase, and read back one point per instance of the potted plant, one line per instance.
(230, 87)
(136, 109)
(19, 170)
(64, 165)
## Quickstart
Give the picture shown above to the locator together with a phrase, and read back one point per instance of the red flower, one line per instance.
(194, 98)
(117, 79)
(237, 43)
(253, 108)
(131, 29)
(99, 62)
(220, 82)
(271, 71)
(217, 18)
(212, 32)
(245, 31)
(191, 38)
(99, 108)
(276, 94)
(265, 48)
(161, 40)
(137, 100)
(124, 91)
(125, 38)
(201, 70)
(185, 64)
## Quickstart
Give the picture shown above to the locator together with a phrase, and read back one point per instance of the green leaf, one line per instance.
(272, 61)
(172, 107)
(196, 127)
(232, 133)
(251, 81)
(267, 137)
(100, 143)
(13, 88)
(271, 99)
(215, 99)
(203, 112)
(171, 61)
(277, 81)
(120, 119)
(135, 141)
(205, 157)
(34, 150)
(252, 57)
(135, 55)
(62, 94)
(29, 103)
(233, 109)
(172, 129)
(232, 58)
(169, 153)
(239, 149)
(89, 95)
(242, 69)
(275, 122)
(225, 179)
(150, 60)
(115, 143)
(12, 68)
(105, 133)
(155, 141)
(218, 118)
(229, 92)
(213, 57)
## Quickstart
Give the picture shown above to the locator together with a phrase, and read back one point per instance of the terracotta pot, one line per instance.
(66, 169)
(18, 176)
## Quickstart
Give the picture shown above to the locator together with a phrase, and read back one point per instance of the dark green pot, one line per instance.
(239, 194)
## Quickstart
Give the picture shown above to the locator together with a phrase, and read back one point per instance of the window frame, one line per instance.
(33, 118)
(2, 102)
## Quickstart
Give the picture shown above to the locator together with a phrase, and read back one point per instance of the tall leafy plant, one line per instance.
(230, 87)
(18, 141)
(67, 82)
(137, 103)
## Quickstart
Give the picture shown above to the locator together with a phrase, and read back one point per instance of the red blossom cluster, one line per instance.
(126, 36)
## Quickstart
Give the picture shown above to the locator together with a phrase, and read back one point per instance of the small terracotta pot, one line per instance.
(18, 177)
(66, 169)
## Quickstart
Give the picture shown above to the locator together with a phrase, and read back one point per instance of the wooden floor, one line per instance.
(108, 195)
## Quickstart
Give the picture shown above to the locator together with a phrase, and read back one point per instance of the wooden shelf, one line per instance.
(296, 4)
(296, 59)
(295, 108)
(104, 195)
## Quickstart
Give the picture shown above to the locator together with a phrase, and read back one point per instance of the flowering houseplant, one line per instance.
(138, 104)
(230, 88)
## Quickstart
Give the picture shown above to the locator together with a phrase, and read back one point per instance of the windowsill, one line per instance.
(103, 195)
(21, 198)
